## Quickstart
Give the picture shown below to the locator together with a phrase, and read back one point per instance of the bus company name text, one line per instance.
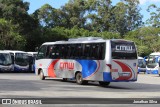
(66, 66)
(123, 48)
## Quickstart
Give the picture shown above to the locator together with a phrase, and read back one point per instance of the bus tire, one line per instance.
(41, 75)
(79, 79)
(102, 83)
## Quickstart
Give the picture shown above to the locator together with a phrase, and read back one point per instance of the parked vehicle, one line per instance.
(153, 63)
(20, 60)
(32, 57)
(141, 65)
(88, 59)
(5, 62)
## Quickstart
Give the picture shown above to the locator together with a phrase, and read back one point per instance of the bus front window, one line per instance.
(141, 63)
(152, 61)
(5, 59)
(21, 59)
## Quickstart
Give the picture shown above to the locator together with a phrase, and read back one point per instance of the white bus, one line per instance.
(141, 65)
(5, 62)
(32, 57)
(153, 63)
(88, 59)
(21, 60)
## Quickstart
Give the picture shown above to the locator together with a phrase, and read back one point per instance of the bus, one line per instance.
(88, 59)
(153, 63)
(20, 60)
(32, 57)
(5, 62)
(141, 65)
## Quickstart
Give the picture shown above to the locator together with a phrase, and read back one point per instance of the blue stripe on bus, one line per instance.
(88, 67)
(20, 69)
(107, 76)
(152, 71)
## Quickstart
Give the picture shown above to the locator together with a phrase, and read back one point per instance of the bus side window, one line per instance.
(63, 51)
(79, 52)
(101, 51)
(94, 51)
(41, 53)
(71, 51)
(49, 51)
(68, 48)
(87, 52)
(55, 52)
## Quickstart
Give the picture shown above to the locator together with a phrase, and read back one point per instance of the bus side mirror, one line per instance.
(36, 49)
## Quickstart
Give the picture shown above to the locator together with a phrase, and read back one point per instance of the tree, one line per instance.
(146, 38)
(75, 11)
(15, 11)
(155, 15)
(9, 36)
(126, 16)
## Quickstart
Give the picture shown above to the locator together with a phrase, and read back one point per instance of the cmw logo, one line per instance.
(124, 48)
(66, 65)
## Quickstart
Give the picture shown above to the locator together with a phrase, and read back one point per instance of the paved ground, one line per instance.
(28, 85)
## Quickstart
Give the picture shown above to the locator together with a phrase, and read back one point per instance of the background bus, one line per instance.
(32, 57)
(20, 60)
(141, 65)
(88, 59)
(5, 62)
(153, 63)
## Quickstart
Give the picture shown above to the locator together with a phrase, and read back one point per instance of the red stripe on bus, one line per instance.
(125, 68)
(51, 72)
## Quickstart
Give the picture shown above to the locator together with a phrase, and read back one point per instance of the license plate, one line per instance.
(124, 74)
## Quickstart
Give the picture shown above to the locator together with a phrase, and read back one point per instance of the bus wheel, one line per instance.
(104, 83)
(79, 79)
(41, 75)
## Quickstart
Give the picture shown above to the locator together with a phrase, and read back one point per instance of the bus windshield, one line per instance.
(5, 59)
(141, 63)
(21, 59)
(152, 61)
(123, 50)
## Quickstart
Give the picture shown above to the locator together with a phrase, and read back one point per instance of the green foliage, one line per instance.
(146, 38)
(126, 16)
(77, 18)
(155, 15)
(15, 12)
(9, 36)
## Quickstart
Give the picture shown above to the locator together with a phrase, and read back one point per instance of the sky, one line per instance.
(35, 4)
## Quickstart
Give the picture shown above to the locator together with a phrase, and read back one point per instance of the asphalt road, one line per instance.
(28, 85)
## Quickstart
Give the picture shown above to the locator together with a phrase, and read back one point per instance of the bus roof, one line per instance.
(15, 51)
(140, 57)
(1, 51)
(155, 53)
(32, 53)
(74, 41)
